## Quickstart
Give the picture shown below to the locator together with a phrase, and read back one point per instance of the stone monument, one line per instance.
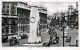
(34, 19)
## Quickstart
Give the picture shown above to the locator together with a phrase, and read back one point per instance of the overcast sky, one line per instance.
(53, 7)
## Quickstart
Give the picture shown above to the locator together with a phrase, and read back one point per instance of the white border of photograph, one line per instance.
(39, 48)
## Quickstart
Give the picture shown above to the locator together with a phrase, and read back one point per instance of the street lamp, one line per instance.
(63, 34)
(63, 20)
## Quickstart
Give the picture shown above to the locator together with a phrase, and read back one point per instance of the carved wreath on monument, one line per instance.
(32, 20)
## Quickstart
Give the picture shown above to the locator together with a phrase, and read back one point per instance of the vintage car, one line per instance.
(54, 40)
(68, 39)
(24, 36)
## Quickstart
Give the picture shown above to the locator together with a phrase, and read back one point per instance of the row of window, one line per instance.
(6, 21)
(23, 28)
(14, 28)
(6, 29)
(9, 21)
(43, 18)
(9, 8)
(23, 21)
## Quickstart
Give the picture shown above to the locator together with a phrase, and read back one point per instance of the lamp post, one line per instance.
(63, 35)
(63, 26)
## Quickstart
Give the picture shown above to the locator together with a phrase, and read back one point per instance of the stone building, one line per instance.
(16, 18)
(73, 15)
(70, 17)
(9, 18)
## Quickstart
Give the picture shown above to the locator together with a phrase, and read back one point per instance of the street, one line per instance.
(45, 38)
(73, 33)
(48, 24)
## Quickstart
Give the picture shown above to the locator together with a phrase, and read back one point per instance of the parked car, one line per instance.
(54, 40)
(24, 36)
(68, 39)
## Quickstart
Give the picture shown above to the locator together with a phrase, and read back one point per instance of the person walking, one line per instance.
(11, 41)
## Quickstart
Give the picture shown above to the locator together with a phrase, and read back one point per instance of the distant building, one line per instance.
(73, 15)
(70, 17)
(57, 17)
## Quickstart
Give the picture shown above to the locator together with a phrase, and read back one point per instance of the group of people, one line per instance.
(52, 31)
(13, 41)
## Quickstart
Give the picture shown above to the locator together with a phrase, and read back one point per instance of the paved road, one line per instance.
(73, 33)
(45, 38)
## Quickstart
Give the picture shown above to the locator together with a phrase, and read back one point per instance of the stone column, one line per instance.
(9, 26)
(18, 28)
(34, 19)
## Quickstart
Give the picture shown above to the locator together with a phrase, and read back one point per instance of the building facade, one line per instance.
(9, 18)
(73, 15)
(16, 18)
(69, 17)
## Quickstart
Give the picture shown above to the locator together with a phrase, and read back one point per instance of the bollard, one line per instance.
(76, 43)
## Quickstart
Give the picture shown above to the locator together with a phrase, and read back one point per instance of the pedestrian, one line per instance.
(16, 41)
(70, 38)
(11, 41)
(48, 44)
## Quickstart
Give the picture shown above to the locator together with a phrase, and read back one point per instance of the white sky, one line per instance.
(53, 7)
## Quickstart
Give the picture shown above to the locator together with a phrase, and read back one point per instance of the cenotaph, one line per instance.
(34, 20)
